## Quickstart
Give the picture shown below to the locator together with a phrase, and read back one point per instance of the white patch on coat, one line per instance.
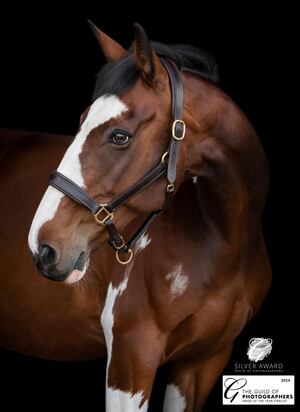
(179, 281)
(174, 401)
(102, 110)
(195, 179)
(120, 401)
(142, 242)
(107, 316)
(117, 400)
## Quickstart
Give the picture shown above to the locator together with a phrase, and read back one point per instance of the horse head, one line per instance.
(123, 134)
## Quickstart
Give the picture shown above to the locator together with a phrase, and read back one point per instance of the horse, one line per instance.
(166, 158)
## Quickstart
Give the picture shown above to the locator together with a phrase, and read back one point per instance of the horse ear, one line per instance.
(111, 49)
(146, 57)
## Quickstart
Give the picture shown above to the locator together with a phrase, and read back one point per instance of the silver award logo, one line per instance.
(259, 349)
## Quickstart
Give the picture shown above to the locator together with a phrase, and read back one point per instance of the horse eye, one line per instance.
(120, 138)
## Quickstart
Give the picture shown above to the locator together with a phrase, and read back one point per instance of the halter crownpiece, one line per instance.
(104, 213)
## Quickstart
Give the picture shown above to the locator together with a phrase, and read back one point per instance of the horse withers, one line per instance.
(174, 286)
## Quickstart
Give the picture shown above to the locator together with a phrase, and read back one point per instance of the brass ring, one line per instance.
(170, 187)
(124, 262)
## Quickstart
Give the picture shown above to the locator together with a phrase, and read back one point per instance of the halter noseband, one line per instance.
(103, 213)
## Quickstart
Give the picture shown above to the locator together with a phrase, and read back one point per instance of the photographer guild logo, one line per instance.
(256, 385)
(232, 387)
(259, 349)
(258, 389)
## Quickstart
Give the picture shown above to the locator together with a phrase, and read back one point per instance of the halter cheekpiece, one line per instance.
(104, 213)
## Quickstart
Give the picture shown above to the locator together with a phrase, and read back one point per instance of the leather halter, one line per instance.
(103, 213)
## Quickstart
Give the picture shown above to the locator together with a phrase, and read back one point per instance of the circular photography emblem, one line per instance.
(259, 349)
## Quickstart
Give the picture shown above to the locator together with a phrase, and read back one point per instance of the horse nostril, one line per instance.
(47, 256)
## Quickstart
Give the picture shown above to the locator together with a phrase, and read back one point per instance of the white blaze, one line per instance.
(102, 110)
(46, 211)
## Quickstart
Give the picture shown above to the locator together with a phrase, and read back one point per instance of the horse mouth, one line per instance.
(80, 262)
(78, 270)
(73, 275)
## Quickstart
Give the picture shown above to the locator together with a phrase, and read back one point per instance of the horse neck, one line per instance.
(223, 150)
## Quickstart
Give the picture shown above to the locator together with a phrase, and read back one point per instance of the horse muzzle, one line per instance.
(49, 265)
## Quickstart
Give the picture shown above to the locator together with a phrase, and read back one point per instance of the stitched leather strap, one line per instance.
(144, 226)
(177, 94)
(141, 184)
(75, 192)
(115, 239)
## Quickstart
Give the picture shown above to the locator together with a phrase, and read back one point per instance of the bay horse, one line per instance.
(160, 137)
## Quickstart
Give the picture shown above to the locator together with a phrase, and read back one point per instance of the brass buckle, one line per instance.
(124, 262)
(175, 123)
(121, 246)
(109, 215)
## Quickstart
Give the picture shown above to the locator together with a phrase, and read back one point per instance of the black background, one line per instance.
(49, 60)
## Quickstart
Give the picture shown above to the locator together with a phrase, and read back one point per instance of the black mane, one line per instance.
(118, 77)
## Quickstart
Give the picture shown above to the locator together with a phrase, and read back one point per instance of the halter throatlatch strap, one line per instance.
(104, 212)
